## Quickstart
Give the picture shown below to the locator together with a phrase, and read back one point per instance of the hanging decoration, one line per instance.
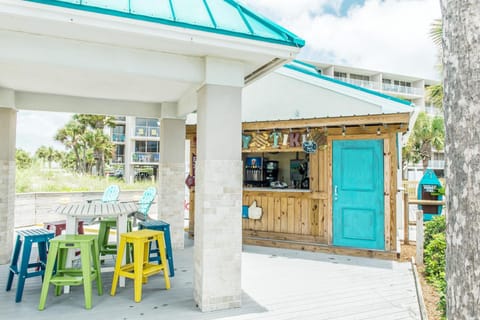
(320, 138)
(275, 135)
(310, 140)
(293, 138)
(246, 141)
(308, 145)
(260, 140)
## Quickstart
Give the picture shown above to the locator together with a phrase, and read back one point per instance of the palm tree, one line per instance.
(95, 138)
(428, 133)
(101, 146)
(72, 137)
(48, 154)
(22, 159)
(435, 92)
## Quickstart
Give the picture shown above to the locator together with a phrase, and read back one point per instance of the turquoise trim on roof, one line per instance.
(311, 70)
(226, 17)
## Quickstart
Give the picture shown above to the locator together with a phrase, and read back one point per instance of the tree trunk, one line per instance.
(461, 40)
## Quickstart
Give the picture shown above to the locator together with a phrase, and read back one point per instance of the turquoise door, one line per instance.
(358, 204)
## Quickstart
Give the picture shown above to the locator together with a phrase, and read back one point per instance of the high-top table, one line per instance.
(87, 211)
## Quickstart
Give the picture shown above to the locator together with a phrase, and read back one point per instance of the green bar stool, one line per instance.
(106, 247)
(71, 276)
(25, 240)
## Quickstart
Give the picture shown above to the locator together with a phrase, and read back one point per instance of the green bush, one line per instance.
(434, 257)
(435, 226)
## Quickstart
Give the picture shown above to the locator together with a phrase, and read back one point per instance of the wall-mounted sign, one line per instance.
(190, 181)
(309, 146)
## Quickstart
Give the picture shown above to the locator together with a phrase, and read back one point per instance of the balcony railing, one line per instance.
(118, 159)
(141, 131)
(117, 137)
(403, 89)
(146, 157)
(432, 164)
(377, 86)
(436, 164)
(362, 83)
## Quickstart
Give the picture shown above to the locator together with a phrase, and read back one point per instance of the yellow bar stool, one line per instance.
(141, 268)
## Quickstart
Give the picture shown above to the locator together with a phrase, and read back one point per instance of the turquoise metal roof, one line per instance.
(311, 70)
(218, 16)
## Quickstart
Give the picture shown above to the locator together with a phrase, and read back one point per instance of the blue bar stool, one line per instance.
(159, 225)
(26, 238)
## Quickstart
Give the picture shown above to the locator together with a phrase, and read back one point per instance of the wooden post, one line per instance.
(406, 218)
(419, 256)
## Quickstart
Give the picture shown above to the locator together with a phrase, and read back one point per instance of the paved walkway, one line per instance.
(277, 284)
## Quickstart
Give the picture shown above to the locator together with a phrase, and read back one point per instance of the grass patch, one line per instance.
(39, 179)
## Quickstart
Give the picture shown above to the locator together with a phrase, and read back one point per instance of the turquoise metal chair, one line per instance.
(144, 204)
(110, 194)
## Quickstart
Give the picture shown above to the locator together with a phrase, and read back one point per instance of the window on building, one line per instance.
(439, 156)
(402, 83)
(147, 146)
(119, 153)
(141, 122)
(147, 127)
(387, 81)
(337, 74)
(153, 146)
(118, 133)
(119, 130)
(140, 146)
(359, 77)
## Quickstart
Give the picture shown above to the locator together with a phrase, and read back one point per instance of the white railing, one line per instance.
(403, 89)
(361, 83)
(432, 164)
(148, 157)
(377, 86)
(436, 164)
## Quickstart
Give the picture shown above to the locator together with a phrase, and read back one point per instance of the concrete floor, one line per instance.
(277, 284)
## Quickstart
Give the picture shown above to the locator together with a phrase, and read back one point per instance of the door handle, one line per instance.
(335, 193)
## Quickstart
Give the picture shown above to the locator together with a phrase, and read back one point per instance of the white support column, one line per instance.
(218, 189)
(8, 121)
(171, 175)
(128, 173)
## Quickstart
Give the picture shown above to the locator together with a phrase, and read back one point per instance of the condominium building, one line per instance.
(401, 86)
(408, 88)
(137, 146)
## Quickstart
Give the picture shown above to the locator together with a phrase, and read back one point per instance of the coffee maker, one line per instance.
(271, 171)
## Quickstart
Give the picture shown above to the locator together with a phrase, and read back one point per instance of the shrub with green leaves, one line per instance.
(433, 227)
(434, 256)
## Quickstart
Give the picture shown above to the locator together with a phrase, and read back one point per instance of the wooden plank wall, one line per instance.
(296, 216)
(306, 217)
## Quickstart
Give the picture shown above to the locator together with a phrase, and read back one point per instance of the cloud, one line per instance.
(389, 36)
(37, 128)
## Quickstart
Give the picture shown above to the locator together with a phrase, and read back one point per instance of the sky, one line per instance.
(391, 36)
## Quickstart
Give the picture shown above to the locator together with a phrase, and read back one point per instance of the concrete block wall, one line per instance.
(218, 234)
(172, 196)
(7, 200)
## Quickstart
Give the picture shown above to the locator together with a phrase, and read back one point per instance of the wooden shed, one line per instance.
(327, 183)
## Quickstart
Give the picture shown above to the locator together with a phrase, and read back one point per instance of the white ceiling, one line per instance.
(53, 50)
